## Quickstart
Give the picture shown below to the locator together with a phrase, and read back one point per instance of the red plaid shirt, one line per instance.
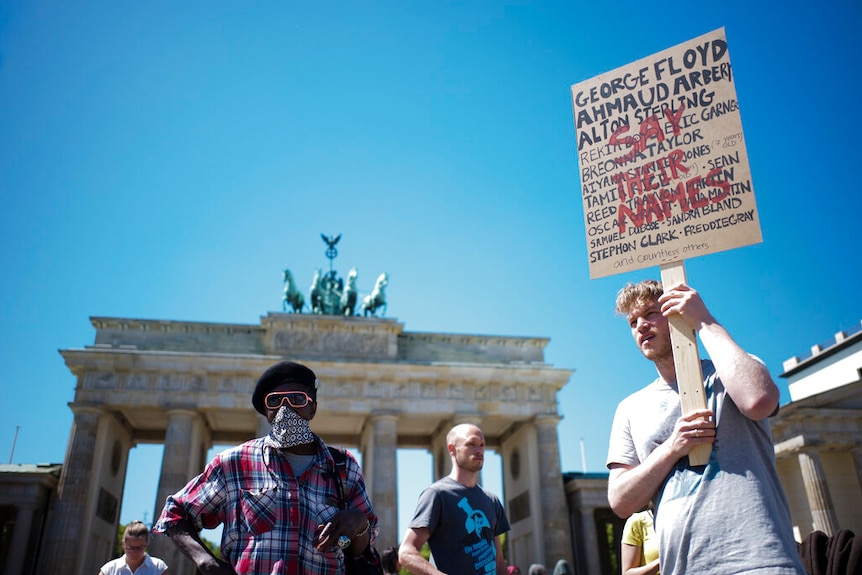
(269, 515)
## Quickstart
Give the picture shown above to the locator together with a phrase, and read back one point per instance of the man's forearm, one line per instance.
(651, 568)
(502, 567)
(416, 564)
(631, 489)
(188, 541)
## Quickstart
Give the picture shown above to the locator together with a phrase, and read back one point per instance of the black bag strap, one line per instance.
(340, 474)
(369, 562)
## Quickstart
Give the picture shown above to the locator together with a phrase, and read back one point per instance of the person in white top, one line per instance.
(135, 558)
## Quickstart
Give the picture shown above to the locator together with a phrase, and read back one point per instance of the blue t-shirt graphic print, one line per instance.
(463, 521)
(479, 540)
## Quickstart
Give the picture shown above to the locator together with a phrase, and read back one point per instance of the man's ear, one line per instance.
(313, 409)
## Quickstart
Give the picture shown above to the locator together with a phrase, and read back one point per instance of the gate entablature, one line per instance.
(143, 386)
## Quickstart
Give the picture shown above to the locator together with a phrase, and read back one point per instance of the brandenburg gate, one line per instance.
(188, 386)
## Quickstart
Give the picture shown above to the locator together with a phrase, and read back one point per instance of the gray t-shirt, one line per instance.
(727, 517)
(463, 522)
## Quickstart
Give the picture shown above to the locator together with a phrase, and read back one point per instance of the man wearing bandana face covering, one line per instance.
(276, 496)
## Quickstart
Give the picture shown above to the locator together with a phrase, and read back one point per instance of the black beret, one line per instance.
(283, 372)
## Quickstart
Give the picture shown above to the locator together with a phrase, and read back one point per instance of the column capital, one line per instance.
(86, 408)
(182, 411)
(384, 415)
(548, 419)
(471, 418)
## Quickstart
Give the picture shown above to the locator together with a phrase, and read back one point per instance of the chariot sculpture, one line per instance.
(330, 295)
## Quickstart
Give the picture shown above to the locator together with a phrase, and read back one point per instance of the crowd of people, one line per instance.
(289, 503)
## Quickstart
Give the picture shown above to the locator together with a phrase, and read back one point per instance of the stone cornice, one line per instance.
(823, 442)
(132, 324)
(316, 336)
(479, 340)
(816, 420)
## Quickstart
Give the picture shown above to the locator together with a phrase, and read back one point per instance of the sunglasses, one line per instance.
(295, 399)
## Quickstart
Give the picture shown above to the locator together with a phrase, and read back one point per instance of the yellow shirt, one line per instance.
(639, 532)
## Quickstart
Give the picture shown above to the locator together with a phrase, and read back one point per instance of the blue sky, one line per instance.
(167, 161)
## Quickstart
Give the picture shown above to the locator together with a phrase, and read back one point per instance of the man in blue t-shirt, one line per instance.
(461, 522)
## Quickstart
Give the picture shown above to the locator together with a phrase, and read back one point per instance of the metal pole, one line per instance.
(14, 441)
(583, 456)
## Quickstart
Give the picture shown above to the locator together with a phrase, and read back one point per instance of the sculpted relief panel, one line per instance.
(332, 343)
(183, 382)
(100, 380)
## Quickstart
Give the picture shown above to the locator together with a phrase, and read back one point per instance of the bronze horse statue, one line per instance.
(348, 296)
(377, 299)
(292, 295)
(316, 292)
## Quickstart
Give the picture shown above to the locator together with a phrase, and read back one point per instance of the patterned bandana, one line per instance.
(288, 430)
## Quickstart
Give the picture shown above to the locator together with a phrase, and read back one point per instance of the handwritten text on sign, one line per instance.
(664, 171)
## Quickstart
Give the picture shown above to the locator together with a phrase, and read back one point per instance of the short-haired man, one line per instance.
(135, 558)
(276, 496)
(729, 516)
(461, 521)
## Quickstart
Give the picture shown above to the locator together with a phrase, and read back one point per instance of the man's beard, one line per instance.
(468, 464)
(661, 349)
(289, 430)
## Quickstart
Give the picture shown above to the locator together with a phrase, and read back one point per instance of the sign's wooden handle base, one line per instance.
(689, 376)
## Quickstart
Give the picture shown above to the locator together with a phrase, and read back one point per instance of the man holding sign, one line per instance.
(729, 516)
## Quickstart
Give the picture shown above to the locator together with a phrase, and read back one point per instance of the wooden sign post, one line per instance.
(665, 175)
(686, 360)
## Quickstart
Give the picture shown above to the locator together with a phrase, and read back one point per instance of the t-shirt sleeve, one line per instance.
(633, 531)
(502, 525)
(621, 448)
(427, 510)
(157, 565)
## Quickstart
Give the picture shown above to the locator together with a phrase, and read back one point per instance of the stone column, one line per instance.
(591, 542)
(817, 490)
(179, 448)
(382, 476)
(67, 519)
(20, 541)
(441, 465)
(555, 520)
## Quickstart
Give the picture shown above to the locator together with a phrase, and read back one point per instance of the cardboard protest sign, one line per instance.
(665, 177)
(664, 170)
